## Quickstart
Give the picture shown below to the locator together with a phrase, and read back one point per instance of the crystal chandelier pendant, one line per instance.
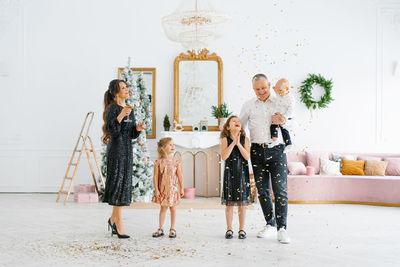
(195, 24)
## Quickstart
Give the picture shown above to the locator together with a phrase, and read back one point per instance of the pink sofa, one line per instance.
(374, 190)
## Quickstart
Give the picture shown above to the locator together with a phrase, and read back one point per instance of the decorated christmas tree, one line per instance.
(142, 177)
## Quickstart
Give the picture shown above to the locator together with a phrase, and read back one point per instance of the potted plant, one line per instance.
(167, 124)
(222, 113)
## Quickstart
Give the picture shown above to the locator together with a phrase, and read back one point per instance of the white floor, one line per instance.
(37, 231)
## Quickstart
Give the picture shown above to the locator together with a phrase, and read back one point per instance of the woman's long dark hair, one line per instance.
(109, 99)
(226, 133)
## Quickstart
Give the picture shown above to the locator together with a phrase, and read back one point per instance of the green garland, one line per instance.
(305, 91)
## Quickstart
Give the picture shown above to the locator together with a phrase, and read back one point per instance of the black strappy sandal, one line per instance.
(172, 233)
(159, 233)
(242, 234)
(229, 234)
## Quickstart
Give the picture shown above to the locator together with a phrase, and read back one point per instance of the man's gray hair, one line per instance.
(258, 77)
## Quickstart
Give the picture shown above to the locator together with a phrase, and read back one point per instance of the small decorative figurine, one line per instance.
(177, 126)
(204, 125)
(196, 127)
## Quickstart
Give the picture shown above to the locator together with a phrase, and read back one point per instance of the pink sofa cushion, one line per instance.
(296, 156)
(313, 159)
(393, 167)
(296, 168)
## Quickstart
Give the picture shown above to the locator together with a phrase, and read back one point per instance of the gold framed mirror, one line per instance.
(149, 79)
(197, 87)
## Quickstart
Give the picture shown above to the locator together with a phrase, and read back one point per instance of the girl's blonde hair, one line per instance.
(161, 144)
(225, 131)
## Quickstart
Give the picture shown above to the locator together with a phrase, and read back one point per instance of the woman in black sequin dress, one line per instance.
(118, 133)
(235, 151)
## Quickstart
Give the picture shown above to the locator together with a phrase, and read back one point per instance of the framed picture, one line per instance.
(149, 80)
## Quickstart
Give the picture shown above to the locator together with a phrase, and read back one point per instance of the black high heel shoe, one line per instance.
(111, 227)
(116, 231)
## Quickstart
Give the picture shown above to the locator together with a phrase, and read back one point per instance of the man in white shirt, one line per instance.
(268, 163)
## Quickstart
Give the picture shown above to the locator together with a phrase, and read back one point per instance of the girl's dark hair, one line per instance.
(226, 133)
(109, 99)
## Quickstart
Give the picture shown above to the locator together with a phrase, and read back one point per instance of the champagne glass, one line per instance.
(127, 117)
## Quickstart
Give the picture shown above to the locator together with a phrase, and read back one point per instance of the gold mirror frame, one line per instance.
(192, 56)
(153, 97)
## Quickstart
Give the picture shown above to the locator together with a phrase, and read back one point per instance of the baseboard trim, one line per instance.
(347, 202)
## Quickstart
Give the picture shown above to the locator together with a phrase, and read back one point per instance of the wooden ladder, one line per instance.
(83, 148)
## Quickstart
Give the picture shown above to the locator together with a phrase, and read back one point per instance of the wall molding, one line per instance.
(42, 170)
(381, 10)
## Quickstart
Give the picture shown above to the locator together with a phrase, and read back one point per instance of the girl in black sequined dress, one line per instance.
(118, 131)
(235, 151)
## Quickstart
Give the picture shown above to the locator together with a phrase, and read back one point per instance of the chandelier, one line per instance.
(195, 24)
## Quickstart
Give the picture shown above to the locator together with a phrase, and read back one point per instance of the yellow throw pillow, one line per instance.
(353, 167)
(375, 167)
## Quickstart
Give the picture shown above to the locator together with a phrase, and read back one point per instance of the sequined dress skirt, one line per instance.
(118, 191)
(236, 184)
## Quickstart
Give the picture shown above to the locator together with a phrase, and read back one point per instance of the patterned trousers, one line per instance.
(270, 167)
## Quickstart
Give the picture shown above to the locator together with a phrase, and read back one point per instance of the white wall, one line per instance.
(60, 55)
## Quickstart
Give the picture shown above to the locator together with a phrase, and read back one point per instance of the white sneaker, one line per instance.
(283, 236)
(266, 231)
(273, 143)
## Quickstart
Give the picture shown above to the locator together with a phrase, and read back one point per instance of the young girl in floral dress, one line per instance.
(168, 184)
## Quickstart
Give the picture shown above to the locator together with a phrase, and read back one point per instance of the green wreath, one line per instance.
(306, 87)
